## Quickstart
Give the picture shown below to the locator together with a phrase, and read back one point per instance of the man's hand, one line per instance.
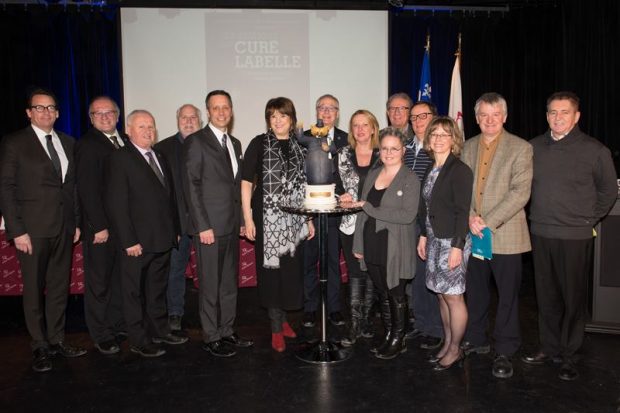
(250, 230)
(242, 230)
(207, 237)
(101, 237)
(311, 230)
(422, 248)
(134, 251)
(476, 225)
(23, 244)
(76, 235)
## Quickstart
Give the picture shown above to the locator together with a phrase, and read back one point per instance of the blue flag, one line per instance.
(424, 92)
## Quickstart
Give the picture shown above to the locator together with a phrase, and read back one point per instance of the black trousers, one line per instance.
(562, 268)
(47, 269)
(103, 302)
(506, 271)
(144, 283)
(378, 275)
(311, 265)
(353, 264)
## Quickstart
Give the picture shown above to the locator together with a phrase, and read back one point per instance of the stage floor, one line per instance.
(187, 379)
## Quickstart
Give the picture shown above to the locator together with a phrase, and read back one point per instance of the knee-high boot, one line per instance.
(387, 323)
(369, 299)
(396, 343)
(356, 287)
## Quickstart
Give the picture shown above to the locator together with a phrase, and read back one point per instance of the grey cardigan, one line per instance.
(397, 214)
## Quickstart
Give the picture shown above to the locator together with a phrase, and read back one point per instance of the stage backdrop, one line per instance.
(174, 56)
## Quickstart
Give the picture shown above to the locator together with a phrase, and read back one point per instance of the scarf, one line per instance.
(350, 182)
(283, 184)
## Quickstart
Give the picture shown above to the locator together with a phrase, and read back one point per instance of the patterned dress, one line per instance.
(439, 277)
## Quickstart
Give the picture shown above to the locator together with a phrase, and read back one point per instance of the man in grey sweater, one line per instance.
(574, 187)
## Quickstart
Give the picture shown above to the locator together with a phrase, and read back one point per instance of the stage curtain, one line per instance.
(525, 54)
(72, 51)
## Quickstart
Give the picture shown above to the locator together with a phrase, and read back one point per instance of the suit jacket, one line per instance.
(448, 210)
(172, 149)
(397, 214)
(341, 138)
(91, 153)
(33, 198)
(506, 191)
(212, 193)
(140, 209)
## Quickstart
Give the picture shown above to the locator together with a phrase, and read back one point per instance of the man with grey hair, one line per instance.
(502, 165)
(103, 308)
(139, 200)
(327, 110)
(397, 109)
(188, 121)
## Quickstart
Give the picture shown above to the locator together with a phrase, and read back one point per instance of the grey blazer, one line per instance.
(212, 193)
(397, 214)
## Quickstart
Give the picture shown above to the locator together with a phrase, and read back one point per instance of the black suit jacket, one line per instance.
(212, 193)
(33, 198)
(172, 149)
(448, 210)
(140, 209)
(341, 138)
(91, 153)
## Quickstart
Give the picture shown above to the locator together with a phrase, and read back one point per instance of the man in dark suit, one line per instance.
(141, 206)
(397, 109)
(212, 160)
(102, 293)
(188, 122)
(327, 109)
(37, 185)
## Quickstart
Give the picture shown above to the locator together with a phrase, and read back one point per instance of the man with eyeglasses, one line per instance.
(397, 108)
(425, 320)
(502, 166)
(37, 186)
(327, 110)
(188, 122)
(103, 309)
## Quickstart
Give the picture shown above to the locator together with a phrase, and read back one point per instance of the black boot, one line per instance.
(387, 323)
(396, 344)
(368, 330)
(356, 287)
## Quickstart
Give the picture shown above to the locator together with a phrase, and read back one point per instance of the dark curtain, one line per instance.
(525, 54)
(72, 51)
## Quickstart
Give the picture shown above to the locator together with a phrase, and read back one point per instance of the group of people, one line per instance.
(423, 193)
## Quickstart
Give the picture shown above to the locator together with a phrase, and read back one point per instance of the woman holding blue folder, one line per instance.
(444, 244)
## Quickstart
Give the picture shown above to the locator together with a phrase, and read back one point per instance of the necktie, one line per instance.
(53, 155)
(115, 141)
(155, 168)
(225, 147)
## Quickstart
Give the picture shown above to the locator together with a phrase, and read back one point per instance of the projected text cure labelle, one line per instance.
(263, 54)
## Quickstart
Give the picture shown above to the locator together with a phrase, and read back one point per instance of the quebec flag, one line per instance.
(424, 92)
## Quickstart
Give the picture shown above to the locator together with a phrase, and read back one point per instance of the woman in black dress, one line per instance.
(273, 176)
(353, 163)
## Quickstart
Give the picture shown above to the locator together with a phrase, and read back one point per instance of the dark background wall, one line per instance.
(534, 49)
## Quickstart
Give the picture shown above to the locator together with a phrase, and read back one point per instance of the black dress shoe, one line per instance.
(235, 340)
(219, 349)
(412, 333)
(309, 319)
(502, 367)
(41, 360)
(568, 371)
(458, 362)
(120, 336)
(108, 347)
(336, 318)
(433, 359)
(148, 351)
(469, 348)
(431, 343)
(66, 350)
(539, 358)
(170, 338)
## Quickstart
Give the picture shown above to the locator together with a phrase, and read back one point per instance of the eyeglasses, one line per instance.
(41, 108)
(421, 116)
(393, 109)
(391, 150)
(104, 114)
(329, 109)
(440, 135)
